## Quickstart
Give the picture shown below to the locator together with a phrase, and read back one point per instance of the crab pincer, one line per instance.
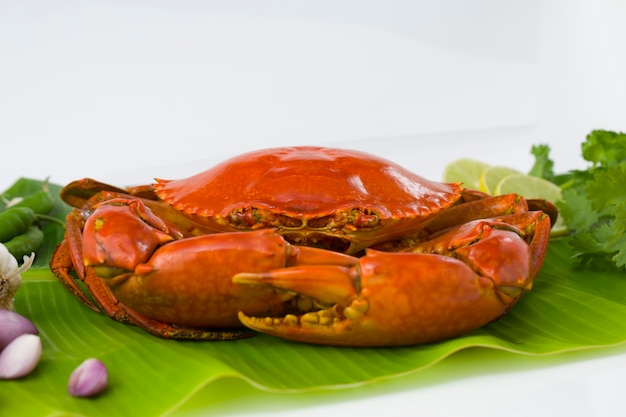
(462, 280)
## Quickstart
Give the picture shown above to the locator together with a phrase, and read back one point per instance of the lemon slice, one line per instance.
(491, 177)
(533, 187)
(465, 170)
(529, 186)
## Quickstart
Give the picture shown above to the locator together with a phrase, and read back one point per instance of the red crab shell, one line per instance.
(339, 199)
(150, 255)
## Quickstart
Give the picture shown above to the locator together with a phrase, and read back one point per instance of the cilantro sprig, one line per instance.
(593, 203)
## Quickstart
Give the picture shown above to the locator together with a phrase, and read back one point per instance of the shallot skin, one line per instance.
(20, 357)
(89, 379)
(13, 325)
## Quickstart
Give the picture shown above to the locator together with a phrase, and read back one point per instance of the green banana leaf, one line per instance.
(567, 310)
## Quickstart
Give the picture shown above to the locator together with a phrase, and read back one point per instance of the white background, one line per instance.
(125, 91)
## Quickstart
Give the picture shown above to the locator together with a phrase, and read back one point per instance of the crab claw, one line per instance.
(455, 283)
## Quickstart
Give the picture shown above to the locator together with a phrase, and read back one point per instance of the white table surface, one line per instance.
(124, 91)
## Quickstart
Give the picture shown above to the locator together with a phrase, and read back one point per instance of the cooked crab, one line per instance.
(312, 244)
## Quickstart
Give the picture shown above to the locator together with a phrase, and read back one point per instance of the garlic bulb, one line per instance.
(10, 276)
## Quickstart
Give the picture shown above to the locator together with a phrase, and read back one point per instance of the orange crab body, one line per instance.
(337, 199)
(317, 245)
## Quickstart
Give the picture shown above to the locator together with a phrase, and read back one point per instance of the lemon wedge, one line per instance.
(465, 170)
(491, 177)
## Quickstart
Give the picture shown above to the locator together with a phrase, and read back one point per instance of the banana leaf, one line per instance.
(567, 310)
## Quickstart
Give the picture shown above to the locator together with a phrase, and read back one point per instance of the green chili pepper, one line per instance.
(26, 243)
(40, 202)
(15, 221)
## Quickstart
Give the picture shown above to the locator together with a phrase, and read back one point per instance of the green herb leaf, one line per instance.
(576, 209)
(543, 166)
(605, 148)
(593, 203)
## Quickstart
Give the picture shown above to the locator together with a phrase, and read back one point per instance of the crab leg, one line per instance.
(81, 193)
(474, 209)
(66, 258)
